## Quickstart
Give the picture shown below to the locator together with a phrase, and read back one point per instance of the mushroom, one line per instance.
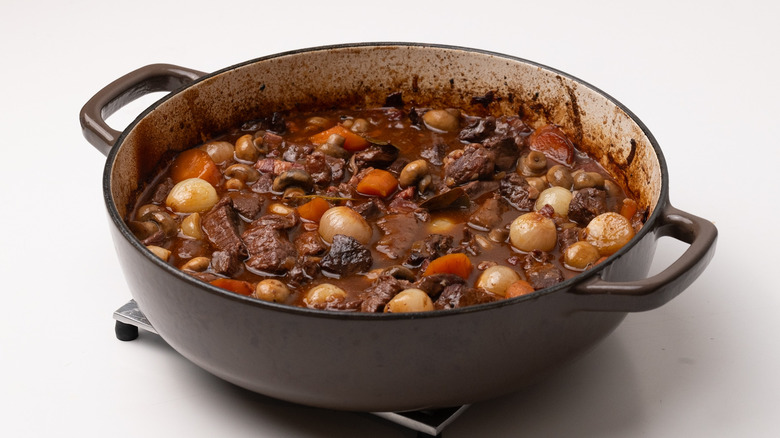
(334, 147)
(293, 177)
(533, 163)
(414, 173)
(196, 264)
(152, 219)
(246, 149)
(242, 172)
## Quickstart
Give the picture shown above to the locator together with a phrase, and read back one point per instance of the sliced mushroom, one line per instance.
(242, 172)
(293, 177)
(333, 147)
(413, 173)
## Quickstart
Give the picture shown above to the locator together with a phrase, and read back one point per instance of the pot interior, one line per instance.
(363, 76)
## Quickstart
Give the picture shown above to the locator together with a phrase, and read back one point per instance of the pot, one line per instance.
(388, 362)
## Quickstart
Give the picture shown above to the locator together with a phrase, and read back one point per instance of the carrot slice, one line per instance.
(237, 286)
(520, 287)
(313, 210)
(456, 263)
(377, 182)
(195, 163)
(352, 142)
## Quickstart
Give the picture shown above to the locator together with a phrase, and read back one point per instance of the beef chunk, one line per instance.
(295, 152)
(396, 241)
(263, 184)
(434, 153)
(488, 214)
(435, 284)
(475, 163)
(161, 191)
(475, 189)
(433, 246)
(269, 249)
(515, 189)
(381, 291)
(310, 243)
(317, 166)
(478, 130)
(347, 256)
(539, 272)
(221, 227)
(568, 236)
(460, 295)
(305, 269)
(190, 248)
(224, 262)
(370, 209)
(587, 204)
(380, 156)
(505, 150)
(247, 205)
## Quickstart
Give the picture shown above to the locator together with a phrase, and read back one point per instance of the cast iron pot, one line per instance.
(388, 362)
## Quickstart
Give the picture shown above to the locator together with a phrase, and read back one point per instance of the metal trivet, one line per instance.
(426, 423)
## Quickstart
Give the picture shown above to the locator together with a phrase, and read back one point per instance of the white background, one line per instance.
(703, 76)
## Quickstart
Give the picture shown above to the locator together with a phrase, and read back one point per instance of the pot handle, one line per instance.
(650, 293)
(145, 80)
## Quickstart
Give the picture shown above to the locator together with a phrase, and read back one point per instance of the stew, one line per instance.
(389, 209)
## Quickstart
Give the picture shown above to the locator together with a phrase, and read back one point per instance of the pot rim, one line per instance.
(649, 226)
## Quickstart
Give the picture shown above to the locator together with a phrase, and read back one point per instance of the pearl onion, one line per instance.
(533, 231)
(346, 221)
(608, 232)
(497, 279)
(558, 198)
(192, 195)
(409, 300)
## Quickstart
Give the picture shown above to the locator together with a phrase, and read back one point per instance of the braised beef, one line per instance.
(466, 205)
(221, 227)
(248, 205)
(225, 262)
(475, 163)
(319, 169)
(161, 191)
(505, 150)
(476, 189)
(539, 270)
(396, 241)
(488, 215)
(434, 284)
(296, 152)
(568, 236)
(382, 290)
(310, 243)
(460, 295)
(515, 189)
(269, 249)
(434, 153)
(306, 269)
(346, 256)
(380, 156)
(586, 204)
(478, 129)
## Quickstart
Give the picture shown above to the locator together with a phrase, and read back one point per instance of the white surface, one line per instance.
(702, 76)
